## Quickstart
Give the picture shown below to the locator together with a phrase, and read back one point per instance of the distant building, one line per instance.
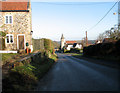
(108, 40)
(78, 45)
(70, 44)
(62, 43)
(98, 41)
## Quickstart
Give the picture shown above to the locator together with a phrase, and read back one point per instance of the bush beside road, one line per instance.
(25, 76)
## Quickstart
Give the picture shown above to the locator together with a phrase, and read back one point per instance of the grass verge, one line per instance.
(7, 56)
(26, 76)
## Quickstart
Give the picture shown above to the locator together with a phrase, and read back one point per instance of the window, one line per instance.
(9, 38)
(8, 19)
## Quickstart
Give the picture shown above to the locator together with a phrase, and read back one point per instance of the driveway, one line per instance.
(72, 74)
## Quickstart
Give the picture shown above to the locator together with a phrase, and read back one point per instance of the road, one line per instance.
(72, 74)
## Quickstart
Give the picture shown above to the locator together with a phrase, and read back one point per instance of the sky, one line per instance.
(72, 19)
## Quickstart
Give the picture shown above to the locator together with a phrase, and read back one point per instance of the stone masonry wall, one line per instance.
(21, 25)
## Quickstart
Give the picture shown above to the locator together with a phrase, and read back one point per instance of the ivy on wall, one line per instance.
(2, 40)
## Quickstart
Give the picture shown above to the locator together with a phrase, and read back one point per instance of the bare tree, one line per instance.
(101, 37)
(113, 33)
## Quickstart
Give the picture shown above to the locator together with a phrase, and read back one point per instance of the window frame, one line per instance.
(8, 19)
(9, 36)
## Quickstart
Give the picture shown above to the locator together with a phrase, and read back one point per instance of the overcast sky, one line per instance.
(51, 19)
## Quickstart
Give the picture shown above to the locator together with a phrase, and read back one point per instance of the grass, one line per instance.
(10, 57)
(6, 56)
(25, 77)
(78, 54)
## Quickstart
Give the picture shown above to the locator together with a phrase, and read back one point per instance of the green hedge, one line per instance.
(48, 45)
(43, 44)
(102, 49)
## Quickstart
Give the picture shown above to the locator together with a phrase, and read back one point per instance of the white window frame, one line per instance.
(10, 38)
(8, 19)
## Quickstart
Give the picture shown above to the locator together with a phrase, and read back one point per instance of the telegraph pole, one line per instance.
(118, 15)
(86, 39)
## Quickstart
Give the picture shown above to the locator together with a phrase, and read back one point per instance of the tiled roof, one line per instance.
(71, 42)
(107, 40)
(14, 5)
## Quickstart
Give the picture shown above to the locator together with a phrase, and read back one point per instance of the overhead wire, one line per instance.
(84, 5)
(103, 16)
(78, 4)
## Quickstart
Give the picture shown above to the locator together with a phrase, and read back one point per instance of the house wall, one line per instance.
(21, 25)
(69, 47)
(78, 46)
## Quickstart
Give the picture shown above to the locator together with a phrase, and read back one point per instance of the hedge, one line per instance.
(103, 49)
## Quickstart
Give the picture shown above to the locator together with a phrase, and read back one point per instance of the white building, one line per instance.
(62, 43)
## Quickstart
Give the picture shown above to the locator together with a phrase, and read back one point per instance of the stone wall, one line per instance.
(26, 60)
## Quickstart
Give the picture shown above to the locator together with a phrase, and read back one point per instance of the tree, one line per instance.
(101, 37)
(113, 33)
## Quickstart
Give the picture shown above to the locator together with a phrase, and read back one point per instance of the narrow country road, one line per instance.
(72, 74)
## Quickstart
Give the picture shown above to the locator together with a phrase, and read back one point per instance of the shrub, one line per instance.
(117, 46)
(102, 49)
(48, 45)
(2, 40)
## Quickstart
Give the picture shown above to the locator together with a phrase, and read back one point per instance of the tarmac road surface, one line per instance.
(72, 74)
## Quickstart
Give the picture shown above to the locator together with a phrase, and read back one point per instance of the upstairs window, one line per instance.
(8, 19)
(9, 38)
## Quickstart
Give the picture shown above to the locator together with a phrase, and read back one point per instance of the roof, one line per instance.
(71, 42)
(14, 5)
(107, 40)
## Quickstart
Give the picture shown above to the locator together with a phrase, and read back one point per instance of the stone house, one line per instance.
(69, 44)
(15, 21)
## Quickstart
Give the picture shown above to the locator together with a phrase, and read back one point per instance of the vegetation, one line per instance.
(103, 50)
(26, 76)
(48, 45)
(7, 56)
(56, 44)
(43, 44)
(106, 50)
(113, 33)
(3, 34)
(2, 40)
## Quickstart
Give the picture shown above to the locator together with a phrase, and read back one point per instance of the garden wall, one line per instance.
(35, 57)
